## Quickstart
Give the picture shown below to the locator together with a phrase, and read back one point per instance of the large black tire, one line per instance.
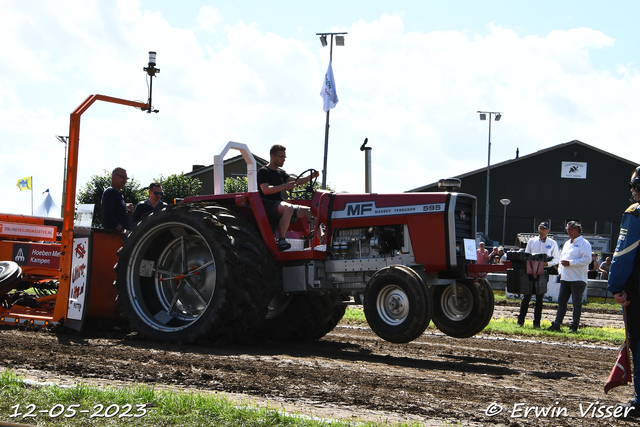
(397, 304)
(470, 315)
(305, 317)
(222, 303)
(10, 273)
(258, 269)
(486, 289)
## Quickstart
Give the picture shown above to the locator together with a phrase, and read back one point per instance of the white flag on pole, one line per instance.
(328, 92)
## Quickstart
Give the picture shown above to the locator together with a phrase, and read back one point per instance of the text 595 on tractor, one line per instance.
(208, 270)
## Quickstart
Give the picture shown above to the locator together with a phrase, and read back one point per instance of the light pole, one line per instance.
(483, 116)
(64, 140)
(504, 202)
(339, 42)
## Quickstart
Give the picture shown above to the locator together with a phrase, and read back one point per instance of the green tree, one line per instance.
(178, 186)
(91, 193)
(236, 185)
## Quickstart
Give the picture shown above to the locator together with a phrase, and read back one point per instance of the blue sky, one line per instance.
(411, 76)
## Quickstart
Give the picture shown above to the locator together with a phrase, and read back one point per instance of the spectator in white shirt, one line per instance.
(574, 270)
(541, 244)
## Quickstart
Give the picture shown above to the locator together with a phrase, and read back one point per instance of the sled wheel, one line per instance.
(466, 315)
(10, 272)
(183, 278)
(308, 316)
(397, 304)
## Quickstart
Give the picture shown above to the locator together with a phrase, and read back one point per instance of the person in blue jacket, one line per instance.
(153, 203)
(115, 212)
(624, 280)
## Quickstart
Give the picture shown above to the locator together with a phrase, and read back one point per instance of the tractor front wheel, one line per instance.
(397, 304)
(462, 309)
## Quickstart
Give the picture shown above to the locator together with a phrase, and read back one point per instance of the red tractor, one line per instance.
(208, 270)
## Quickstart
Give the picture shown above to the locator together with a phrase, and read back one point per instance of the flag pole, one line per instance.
(326, 130)
(626, 331)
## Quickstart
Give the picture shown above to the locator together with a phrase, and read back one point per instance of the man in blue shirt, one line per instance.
(624, 280)
(114, 210)
(145, 207)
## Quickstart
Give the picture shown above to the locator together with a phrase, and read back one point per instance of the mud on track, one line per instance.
(350, 374)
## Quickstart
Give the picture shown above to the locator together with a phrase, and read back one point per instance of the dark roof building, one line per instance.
(570, 181)
(233, 167)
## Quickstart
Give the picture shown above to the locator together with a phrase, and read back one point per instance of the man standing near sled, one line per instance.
(539, 245)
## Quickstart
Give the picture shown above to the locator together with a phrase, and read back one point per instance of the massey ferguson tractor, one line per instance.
(207, 269)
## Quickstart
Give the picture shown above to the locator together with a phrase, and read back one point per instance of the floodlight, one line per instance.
(323, 40)
(498, 116)
(339, 40)
(483, 116)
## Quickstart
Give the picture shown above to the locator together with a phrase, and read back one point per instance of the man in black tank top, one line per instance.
(271, 182)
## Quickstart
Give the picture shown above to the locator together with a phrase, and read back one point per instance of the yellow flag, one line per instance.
(24, 183)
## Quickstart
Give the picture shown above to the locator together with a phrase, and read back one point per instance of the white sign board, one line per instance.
(78, 282)
(40, 232)
(84, 216)
(470, 249)
(575, 170)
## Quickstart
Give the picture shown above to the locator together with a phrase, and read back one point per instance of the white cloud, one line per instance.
(413, 94)
(209, 18)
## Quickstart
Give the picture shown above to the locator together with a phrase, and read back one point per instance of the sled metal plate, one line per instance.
(146, 268)
(295, 278)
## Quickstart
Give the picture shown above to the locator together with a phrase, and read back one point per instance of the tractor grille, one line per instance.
(465, 218)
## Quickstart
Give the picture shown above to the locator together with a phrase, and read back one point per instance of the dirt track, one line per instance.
(352, 374)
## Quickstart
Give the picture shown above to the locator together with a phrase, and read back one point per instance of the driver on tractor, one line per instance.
(271, 181)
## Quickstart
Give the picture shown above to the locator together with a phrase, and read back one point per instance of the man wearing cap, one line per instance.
(541, 244)
(482, 255)
(574, 271)
(503, 254)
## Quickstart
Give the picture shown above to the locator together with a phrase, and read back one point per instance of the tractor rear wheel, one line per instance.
(184, 277)
(397, 304)
(302, 317)
(464, 311)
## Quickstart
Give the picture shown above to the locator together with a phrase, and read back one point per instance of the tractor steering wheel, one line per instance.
(308, 190)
